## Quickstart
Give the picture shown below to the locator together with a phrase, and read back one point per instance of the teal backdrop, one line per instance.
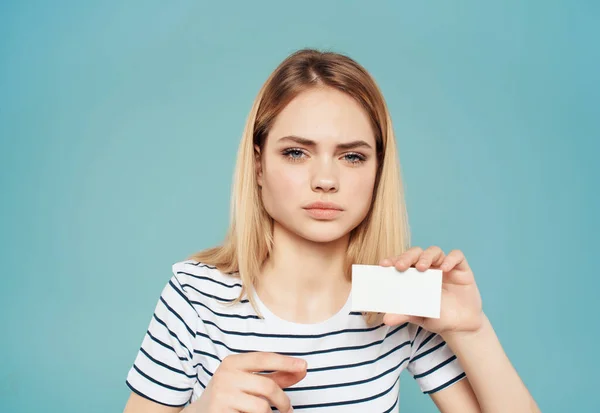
(119, 124)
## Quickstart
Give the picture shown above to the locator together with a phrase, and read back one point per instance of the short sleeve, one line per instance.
(163, 370)
(432, 363)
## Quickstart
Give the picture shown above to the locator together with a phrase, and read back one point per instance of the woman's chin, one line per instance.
(317, 231)
(322, 235)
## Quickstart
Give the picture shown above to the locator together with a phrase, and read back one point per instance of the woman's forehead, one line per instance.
(324, 116)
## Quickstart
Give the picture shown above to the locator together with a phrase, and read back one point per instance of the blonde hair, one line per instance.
(383, 233)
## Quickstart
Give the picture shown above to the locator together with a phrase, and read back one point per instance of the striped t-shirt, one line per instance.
(351, 366)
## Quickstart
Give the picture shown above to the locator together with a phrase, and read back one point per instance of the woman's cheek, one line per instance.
(289, 181)
(363, 192)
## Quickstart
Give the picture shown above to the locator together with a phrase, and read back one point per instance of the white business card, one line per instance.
(387, 290)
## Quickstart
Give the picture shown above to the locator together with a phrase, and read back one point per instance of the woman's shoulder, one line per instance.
(201, 281)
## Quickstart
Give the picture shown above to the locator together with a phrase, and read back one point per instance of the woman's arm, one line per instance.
(491, 379)
(491, 376)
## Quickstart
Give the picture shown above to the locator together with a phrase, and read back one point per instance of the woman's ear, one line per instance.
(258, 163)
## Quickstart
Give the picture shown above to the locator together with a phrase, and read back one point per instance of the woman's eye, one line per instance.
(293, 154)
(354, 158)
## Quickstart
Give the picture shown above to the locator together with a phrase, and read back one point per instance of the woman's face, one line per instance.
(321, 148)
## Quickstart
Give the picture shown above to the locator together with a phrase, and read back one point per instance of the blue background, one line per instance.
(119, 123)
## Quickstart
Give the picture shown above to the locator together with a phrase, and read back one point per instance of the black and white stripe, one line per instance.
(351, 366)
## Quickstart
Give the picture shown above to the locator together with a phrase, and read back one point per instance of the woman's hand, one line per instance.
(461, 310)
(235, 387)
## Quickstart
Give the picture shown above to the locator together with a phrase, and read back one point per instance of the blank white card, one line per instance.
(387, 290)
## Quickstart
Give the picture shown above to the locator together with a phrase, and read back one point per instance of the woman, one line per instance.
(264, 320)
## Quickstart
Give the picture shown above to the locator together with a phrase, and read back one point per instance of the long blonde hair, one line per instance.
(383, 233)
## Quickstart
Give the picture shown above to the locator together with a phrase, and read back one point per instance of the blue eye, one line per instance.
(293, 154)
(354, 158)
(296, 155)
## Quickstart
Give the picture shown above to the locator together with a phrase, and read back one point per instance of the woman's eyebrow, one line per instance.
(309, 142)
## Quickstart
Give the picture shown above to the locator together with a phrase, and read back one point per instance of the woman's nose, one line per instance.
(325, 178)
(326, 185)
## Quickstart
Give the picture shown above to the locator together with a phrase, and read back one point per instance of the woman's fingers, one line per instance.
(263, 387)
(414, 251)
(397, 319)
(285, 379)
(431, 257)
(422, 260)
(239, 383)
(263, 361)
(260, 391)
(456, 258)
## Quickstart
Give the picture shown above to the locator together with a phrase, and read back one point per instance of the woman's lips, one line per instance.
(323, 213)
(323, 210)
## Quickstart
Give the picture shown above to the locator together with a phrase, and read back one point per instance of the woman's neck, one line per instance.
(304, 281)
